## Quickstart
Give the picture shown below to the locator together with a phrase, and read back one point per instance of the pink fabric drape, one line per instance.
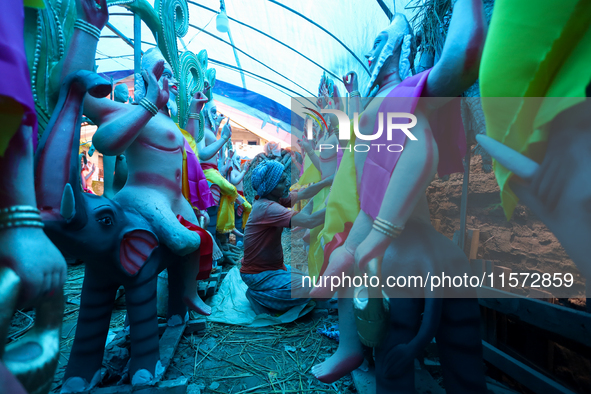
(448, 131)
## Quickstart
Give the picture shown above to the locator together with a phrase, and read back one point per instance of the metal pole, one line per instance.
(119, 34)
(237, 60)
(464, 201)
(137, 45)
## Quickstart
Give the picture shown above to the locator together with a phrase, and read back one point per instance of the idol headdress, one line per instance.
(399, 28)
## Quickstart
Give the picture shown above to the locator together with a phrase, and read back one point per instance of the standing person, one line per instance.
(86, 175)
(271, 284)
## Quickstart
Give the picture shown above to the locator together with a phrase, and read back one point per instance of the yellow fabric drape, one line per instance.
(193, 145)
(225, 219)
(316, 254)
(343, 203)
(246, 213)
(534, 48)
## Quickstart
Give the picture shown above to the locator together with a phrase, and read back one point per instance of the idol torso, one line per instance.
(155, 160)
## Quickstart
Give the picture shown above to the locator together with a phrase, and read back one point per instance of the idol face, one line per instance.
(173, 88)
(374, 54)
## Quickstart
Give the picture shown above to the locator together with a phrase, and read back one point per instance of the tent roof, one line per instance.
(283, 46)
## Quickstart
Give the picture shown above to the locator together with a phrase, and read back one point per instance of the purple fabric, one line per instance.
(199, 194)
(379, 166)
(13, 61)
(339, 158)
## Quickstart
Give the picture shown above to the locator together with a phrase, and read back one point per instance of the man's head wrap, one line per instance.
(266, 176)
(399, 28)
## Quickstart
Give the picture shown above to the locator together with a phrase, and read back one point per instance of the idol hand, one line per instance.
(154, 94)
(351, 82)
(94, 12)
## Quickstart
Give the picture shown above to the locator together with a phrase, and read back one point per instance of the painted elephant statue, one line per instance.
(116, 243)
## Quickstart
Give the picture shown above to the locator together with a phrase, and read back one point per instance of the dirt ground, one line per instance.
(523, 244)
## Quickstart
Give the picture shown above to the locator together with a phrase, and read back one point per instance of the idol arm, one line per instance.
(457, 69)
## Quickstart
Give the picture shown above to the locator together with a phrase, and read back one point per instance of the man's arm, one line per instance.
(86, 177)
(457, 69)
(206, 152)
(314, 189)
(306, 220)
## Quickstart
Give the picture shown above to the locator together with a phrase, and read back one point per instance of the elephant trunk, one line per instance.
(54, 169)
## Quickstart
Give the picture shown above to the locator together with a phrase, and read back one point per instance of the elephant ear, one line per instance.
(136, 248)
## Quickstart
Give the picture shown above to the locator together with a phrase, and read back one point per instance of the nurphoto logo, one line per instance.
(404, 122)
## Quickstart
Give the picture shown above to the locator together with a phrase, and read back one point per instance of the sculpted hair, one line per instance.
(399, 33)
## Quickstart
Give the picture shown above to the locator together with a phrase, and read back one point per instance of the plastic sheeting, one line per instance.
(230, 306)
(284, 46)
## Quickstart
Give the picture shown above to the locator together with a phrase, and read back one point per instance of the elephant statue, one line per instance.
(117, 244)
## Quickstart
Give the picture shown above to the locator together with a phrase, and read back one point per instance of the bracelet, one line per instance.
(193, 115)
(20, 216)
(88, 28)
(355, 93)
(387, 228)
(151, 107)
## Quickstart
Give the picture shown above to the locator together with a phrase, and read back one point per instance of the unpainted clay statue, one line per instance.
(152, 143)
(121, 93)
(125, 251)
(393, 224)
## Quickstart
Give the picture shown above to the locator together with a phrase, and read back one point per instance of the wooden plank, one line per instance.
(168, 343)
(474, 243)
(525, 375)
(178, 386)
(566, 322)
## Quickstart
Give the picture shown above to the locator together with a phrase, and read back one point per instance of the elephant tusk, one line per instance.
(512, 160)
(68, 204)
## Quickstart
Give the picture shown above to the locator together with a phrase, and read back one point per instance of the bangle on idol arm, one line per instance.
(151, 107)
(20, 216)
(387, 228)
(193, 115)
(88, 28)
(355, 93)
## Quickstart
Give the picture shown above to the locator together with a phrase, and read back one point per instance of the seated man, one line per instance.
(269, 281)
